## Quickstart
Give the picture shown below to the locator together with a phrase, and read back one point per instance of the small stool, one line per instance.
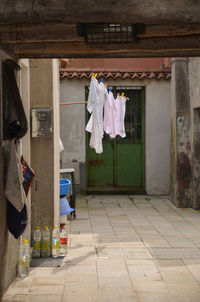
(72, 198)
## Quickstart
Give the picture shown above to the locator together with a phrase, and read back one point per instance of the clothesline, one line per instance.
(72, 103)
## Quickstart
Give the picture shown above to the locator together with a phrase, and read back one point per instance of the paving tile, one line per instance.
(111, 269)
(145, 276)
(176, 253)
(118, 294)
(185, 298)
(194, 266)
(116, 282)
(51, 280)
(179, 241)
(153, 297)
(90, 279)
(109, 253)
(46, 289)
(33, 298)
(77, 293)
(79, 249)
(177, 278)
(81, 258)
(80, 269)
(137, 253)
(56, 272)
(156, 243)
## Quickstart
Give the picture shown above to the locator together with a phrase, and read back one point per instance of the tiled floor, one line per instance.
(122, 249)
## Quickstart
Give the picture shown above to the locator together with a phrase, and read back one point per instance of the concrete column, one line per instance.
(44, 150)
(181, 167)
(56, 127)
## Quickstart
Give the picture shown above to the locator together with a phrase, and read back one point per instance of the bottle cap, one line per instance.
(24, 240)
(46, 227)
(37, 227)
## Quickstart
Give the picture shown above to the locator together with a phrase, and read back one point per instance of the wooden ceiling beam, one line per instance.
(62, 32)
(73, 11)
(174, 46)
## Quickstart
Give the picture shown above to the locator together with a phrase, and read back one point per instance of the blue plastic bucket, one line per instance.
(64, 186)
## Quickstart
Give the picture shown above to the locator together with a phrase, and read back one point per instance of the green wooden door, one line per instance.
(121, 165)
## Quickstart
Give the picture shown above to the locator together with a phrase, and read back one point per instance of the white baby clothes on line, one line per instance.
(109, 115)
(96, 99)
(123, 131)
(120, 107)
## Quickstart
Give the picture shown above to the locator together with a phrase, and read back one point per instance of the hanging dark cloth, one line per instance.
(14, 192)
(14, 119)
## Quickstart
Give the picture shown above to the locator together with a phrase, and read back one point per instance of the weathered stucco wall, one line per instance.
(9, 246)
(157, 154)
(181, 148)
(185, 144)
(194, 81)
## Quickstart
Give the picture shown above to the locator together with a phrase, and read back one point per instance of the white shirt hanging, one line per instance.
(120, 107)
(96, 99)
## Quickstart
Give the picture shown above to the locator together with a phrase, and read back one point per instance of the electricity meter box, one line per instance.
(41, 122)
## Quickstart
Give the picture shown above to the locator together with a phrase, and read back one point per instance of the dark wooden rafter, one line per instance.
(170, 46)
(47, 28)
(61, 40)
(116, 11)
(63, 32)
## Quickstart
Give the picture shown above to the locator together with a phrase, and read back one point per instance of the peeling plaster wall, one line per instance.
(185, 144)
(9, 246)
(181, 156)
(157, 145)
(194, 80)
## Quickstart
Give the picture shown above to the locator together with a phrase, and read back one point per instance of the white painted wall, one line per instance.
(158, 138)
(157, 119)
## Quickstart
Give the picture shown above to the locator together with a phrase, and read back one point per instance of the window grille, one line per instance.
(109, 32)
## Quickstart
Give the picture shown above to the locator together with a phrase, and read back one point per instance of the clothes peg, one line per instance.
(110, 89)
(101, 80)
(94, 75)
(122, 94)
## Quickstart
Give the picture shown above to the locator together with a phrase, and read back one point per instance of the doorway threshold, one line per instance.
(111, 190)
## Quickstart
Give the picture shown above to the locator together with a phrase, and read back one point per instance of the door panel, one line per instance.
(129, 165)
(100, 166)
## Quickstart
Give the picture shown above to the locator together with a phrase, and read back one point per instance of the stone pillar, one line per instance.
(45, 157)
(181, 165)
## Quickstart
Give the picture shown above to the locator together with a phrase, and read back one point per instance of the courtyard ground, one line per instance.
(122, 249)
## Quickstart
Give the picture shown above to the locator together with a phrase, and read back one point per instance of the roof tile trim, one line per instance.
(117, 75)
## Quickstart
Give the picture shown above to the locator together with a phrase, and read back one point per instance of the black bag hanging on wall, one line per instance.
(14, 119)
(16, 221)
